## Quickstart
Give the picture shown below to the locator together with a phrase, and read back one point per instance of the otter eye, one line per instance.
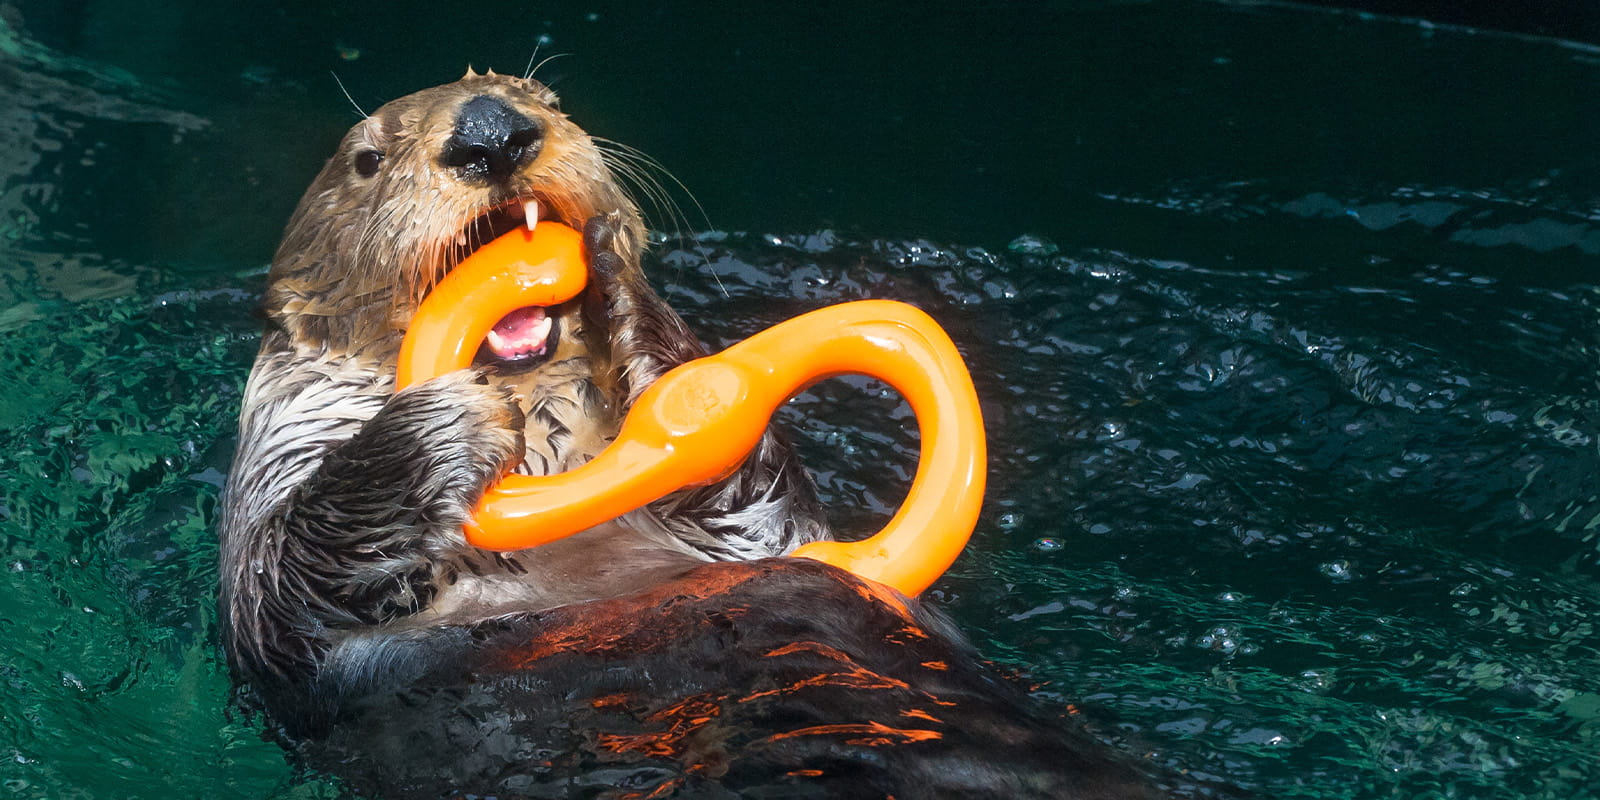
(367, 162)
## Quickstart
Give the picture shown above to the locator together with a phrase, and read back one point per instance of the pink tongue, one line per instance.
(522, 333)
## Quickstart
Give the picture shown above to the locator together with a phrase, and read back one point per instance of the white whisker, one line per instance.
(527, 71)
(636, 168)
(353, 103)
(547, 59)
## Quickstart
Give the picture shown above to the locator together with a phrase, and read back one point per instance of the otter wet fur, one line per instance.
(669, 652)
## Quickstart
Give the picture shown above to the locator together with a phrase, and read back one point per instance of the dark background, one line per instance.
(975, 121)
(1566, 19)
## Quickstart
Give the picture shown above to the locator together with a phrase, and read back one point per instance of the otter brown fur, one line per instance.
(360, 617)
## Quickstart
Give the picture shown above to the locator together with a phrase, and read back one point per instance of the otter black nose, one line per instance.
(491, 140)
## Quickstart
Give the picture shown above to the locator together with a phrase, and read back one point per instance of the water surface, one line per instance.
(1285, 322)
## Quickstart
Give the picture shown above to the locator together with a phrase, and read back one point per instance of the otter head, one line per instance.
(414, 189)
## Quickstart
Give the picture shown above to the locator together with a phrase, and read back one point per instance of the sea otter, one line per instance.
(669, 651)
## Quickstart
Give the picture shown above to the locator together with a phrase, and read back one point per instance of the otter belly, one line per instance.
(711, 684)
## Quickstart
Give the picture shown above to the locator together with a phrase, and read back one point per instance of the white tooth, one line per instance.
(496, 341)
(530, 213)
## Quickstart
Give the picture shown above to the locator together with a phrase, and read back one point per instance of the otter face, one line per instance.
(418, 186)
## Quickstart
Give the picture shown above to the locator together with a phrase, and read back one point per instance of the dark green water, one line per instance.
(1286, 323)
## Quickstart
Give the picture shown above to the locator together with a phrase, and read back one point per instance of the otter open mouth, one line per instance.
(527, 336)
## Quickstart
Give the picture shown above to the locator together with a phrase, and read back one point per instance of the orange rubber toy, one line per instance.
(697, 423)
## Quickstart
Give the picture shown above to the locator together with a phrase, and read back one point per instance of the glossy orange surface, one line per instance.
(542, 267)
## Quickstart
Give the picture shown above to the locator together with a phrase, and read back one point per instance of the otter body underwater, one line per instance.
(667, 652)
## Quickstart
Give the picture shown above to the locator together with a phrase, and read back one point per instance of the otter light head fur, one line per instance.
(421, 182)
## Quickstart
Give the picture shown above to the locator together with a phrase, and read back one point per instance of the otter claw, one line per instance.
(606, 265)
(599, 235)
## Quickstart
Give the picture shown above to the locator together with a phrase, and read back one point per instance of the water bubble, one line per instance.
(1219, 638)
(1464, 589)
(1000, 290)
(1251, 536)
(1230, 597)
(1048, 545)
(1030, 245)
(1009, 520)
(1315, 680)
(1338, 570)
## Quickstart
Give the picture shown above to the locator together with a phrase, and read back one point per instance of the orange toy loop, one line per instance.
(542, 267)
(697, 423)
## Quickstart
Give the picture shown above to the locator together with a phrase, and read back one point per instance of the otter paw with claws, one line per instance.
(600, 246)
(646, 337)
(443, 442)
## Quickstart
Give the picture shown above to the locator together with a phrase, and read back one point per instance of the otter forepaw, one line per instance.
(612, 304)
(600, 235)
(469, 433)
(436, 446)
(383, 505)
